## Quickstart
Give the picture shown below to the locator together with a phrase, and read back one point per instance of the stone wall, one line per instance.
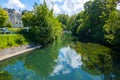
(13, 50)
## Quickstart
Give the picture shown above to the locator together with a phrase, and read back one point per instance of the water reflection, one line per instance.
(67, 60)
(40, 62)
(39, 65)
(19, 72)
(68, 67)
(5, 76)
(58, 61)
(97, 60)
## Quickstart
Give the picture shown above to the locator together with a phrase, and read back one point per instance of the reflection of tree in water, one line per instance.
(5, 76)
(97, 60)
(43, 61)
(116, 65)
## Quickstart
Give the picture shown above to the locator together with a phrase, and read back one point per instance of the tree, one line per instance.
(27, 19)
(78, 20)
(3, 17)
(70, 22)
(9, 24)
(95, 15)
(64, 20)
(112, 29)
(45, 27)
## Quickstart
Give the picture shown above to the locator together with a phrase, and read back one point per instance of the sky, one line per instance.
(69, 7)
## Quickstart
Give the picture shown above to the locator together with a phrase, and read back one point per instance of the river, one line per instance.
(62, 60)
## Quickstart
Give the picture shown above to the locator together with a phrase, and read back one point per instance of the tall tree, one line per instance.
(63, 18)
(77, 22)
(45, 27)
(70, 22)
(95, 16)
(27, 19)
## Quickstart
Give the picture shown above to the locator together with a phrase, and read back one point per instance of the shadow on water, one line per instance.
(63, 60)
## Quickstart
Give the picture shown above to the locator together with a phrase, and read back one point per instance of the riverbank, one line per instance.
(14, 51)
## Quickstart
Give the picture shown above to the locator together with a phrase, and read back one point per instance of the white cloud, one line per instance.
(69, 7)
(15, 4)
(56, 9)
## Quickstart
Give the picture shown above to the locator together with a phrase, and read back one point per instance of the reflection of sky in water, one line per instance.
(68, 67)
(19, 72)
(67, 60)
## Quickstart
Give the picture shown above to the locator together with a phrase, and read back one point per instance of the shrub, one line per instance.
(9, 25)
(10, 40)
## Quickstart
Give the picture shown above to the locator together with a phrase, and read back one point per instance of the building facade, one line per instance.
(14, 17)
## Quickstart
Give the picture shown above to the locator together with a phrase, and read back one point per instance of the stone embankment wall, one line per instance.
(13, 51)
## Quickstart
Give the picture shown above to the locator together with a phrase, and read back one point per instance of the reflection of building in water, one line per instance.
(14, 17)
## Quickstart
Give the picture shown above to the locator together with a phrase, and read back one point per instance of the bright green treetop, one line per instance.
(3, 17)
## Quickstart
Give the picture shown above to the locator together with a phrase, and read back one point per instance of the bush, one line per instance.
(10, 40)
(20, 40)
(9, 25)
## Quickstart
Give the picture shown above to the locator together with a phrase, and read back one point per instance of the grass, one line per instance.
(11, 40)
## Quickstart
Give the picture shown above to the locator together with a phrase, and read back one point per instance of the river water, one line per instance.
(60, 61)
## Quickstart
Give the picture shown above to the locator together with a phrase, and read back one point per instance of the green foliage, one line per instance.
(70, 23)
(3, 17)
(9, 25)
(10, 40)
(99, 22)
(5, 76)
(27, 19)
(77, 22)
(45, 27)
(20, 39)
(96, 13)
(64, 20)
(112, 29)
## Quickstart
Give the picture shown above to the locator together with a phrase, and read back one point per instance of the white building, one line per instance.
(14, 17)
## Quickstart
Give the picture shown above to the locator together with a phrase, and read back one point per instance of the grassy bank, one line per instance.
(10, 40)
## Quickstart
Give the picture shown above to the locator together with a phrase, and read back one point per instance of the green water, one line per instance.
(62, 60)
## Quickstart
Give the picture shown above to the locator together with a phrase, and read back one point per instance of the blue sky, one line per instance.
(69, 7)
(18, 4)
